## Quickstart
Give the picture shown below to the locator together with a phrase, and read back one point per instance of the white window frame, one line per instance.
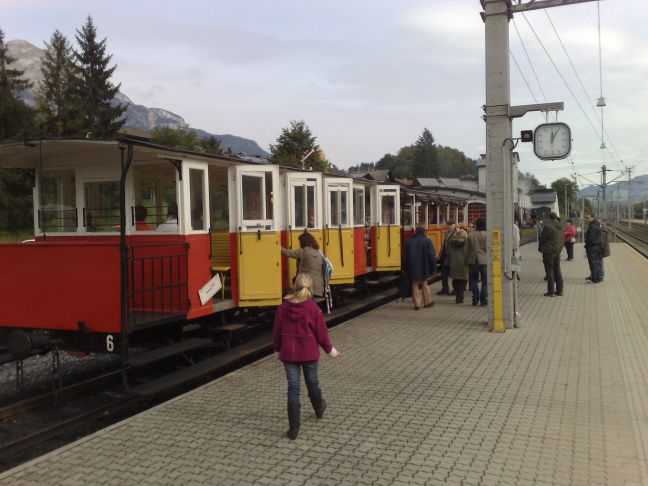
(302, 180)
(185, 210)
(338, 185)
(360, 187)
(37, 201)
(236, 179)
(388, 190)
(81, 197)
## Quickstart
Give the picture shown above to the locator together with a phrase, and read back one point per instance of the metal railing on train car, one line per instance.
(158, 283)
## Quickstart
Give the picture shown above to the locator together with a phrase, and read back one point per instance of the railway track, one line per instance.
(637, 238)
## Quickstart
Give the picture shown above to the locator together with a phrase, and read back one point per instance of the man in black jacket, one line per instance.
(593, 248)
(550, 244)
(444, 258)
(419, 264)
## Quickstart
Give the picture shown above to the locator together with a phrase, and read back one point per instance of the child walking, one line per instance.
(298, 330)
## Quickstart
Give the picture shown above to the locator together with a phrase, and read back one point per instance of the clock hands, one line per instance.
(553, 135)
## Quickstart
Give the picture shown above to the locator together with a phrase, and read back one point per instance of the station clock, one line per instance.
(552, 141)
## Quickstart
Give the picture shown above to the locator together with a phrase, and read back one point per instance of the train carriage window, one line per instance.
(300, 209)
(197, 198)
(252, 197)
(358, 206)
(101, 206)
(367, 207)
(343, 207)
(335, 208)
(388, 209)
(156, 203)
(310, 205)
(218, 198)
(268, 196)
(58, 209)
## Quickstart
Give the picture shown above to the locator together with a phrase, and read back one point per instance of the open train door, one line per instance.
(255, 230)
(303, 211)
(388, 242)
(338, 228)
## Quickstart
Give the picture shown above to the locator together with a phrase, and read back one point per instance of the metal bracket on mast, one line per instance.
(521, 110)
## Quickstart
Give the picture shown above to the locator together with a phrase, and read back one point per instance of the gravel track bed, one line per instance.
(37, 373)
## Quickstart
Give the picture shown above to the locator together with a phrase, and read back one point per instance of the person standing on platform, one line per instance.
(476, 257)
(550, 244)
(419, 264)
(570, 238)
(458, 264)
(593, 248)
(298, 332)
(309, 260)
(444, 258)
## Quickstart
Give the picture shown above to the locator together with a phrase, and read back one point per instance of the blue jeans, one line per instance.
(293, 372)
(477, 295)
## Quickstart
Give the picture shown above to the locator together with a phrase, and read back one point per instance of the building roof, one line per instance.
(543, 196)
(380, 175)
(448, 183)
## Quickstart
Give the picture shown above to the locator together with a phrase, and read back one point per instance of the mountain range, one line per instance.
(618, 191)
(28, 59)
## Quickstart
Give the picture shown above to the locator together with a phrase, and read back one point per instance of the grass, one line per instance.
(16, 236)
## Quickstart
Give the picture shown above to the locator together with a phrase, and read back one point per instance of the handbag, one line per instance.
(572, 240)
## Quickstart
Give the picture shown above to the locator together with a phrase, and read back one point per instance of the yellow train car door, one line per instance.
(388, 242)
(256, 225)
(338, 229)
(303, 211)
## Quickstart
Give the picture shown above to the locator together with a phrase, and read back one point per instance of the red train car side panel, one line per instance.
(359, 252)
(199, 265)
(56, 285)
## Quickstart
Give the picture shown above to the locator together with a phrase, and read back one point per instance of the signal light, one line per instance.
(526, 136)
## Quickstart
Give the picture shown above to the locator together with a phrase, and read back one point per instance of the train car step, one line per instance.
(174, 349)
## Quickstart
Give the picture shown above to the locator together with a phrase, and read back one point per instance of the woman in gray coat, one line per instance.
(309, 260)
(458, 264)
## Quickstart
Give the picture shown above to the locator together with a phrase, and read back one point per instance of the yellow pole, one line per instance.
(496, 268)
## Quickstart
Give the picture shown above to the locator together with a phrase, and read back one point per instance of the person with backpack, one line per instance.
(310, 261)
(299, 331)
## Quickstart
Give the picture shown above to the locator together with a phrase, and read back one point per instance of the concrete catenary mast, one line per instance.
(499, 145)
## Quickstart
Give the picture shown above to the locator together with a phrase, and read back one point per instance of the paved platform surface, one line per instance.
(427, 397)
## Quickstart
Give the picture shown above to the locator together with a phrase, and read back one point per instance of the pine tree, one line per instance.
(296, 142)
(16, 118)
(211, 145)
(426, 163)
(100, 118)
(57, 102)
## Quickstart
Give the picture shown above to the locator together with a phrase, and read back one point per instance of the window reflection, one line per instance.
(388, 210)
(343, 207)
(196, 193)
(300, 220)
(58, 202)
(335, 216)
(101, 210)
(252, 192)
(358, 207)
(310, 205)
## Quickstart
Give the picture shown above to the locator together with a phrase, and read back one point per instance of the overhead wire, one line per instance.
(530, 63)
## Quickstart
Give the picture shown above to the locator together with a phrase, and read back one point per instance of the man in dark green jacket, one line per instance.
(550, 244)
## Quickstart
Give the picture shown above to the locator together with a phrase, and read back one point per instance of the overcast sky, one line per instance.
(367, 75)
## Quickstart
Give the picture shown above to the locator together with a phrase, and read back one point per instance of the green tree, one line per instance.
(57, 103)
(181, 137)
(16, 207)
(100, 118)
(211, 145)
(426, 162)
(16, 118)
(564, 187)
(296, 142)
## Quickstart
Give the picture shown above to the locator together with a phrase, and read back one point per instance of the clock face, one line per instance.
(552, 141)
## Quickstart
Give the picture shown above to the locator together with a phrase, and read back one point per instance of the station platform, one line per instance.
(417, 397)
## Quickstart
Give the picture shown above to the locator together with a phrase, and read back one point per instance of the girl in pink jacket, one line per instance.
(299, 331)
